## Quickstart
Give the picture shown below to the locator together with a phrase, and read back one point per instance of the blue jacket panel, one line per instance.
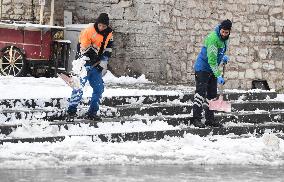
(201, 63)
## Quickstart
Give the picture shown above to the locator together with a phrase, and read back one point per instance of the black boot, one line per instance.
(70, 116)
(213, 123)
(198, 123)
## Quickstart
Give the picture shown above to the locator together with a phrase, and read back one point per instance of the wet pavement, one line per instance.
(220, 173)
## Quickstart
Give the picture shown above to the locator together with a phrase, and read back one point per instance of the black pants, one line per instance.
(206, 89)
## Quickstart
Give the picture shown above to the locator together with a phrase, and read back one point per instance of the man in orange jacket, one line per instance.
(95, 42)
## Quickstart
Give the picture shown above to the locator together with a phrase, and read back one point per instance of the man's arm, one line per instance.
(107, 54)
(212, 53)
(108, 50)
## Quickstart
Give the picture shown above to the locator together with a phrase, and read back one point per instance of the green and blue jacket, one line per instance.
(211, 53)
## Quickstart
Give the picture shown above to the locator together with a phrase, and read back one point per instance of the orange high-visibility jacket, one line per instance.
(89, 37)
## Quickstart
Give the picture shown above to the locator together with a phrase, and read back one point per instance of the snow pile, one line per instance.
(271, 141)
(44, 129)
(110, 78)
(78, 67)
(191, 149)
(30, 87)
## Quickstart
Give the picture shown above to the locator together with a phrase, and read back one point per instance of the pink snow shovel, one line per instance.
(219, 104)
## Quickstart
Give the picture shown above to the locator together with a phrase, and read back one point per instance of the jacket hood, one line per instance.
(217, 30)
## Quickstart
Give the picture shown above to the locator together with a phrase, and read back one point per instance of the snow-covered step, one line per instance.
(154, 109)
(251, 117)
(257, 105)
(33, 103)
(8, 127)
(52, 113)
(124, 100)
(157, 135)
(271, 111)
(250, 95)
(47, 113)
(180, 108)
(7, 115)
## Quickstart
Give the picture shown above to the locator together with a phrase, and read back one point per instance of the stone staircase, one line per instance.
(253, 112)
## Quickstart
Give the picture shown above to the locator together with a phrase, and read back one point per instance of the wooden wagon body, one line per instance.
(32, 48)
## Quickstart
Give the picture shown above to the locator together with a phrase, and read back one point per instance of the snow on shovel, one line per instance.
(219, 104)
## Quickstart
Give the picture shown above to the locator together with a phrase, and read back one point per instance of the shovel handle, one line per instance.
(224, 65)
(222, 86)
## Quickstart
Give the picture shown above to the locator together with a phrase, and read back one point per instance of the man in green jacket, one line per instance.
(207, 73)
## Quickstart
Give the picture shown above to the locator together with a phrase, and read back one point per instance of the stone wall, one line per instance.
(28, 10)
(162, 38)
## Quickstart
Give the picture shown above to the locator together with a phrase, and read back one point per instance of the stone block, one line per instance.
(249, 73)
(189, 48)
(241, 51)
(263, 29)
(279, 65)
(278, 2)
(263, 53)
(275, 11)
(176, 12)
(241, 75)
(232, 74)
(268, 66)
(256, 65)
(6, 2)
(117, 12)
(258, 73)
(125, 3)
(183, 67)
(153, 1)
(263, 9)
(181, 23)
(165, 17)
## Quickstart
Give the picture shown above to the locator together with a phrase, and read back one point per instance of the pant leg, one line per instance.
(96, 82)
(201, 79)
(76, 96)
(211, 94)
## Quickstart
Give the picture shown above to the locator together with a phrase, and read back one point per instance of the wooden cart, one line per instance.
(32, 48)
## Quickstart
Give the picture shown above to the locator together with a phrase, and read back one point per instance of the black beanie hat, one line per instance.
(226, 25)
(103, 18)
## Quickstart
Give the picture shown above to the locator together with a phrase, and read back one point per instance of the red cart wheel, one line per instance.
(12, 62)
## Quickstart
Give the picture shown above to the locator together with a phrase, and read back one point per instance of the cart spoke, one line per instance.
(16, 71)
(17, 68)
(13, 71)
(6, 67)
(3, 73)
(10, 70)
(15, 52)
(6, 58)
(18, 58)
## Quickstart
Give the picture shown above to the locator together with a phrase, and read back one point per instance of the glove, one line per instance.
(103, 64)
(225, 59)
(220, 80)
